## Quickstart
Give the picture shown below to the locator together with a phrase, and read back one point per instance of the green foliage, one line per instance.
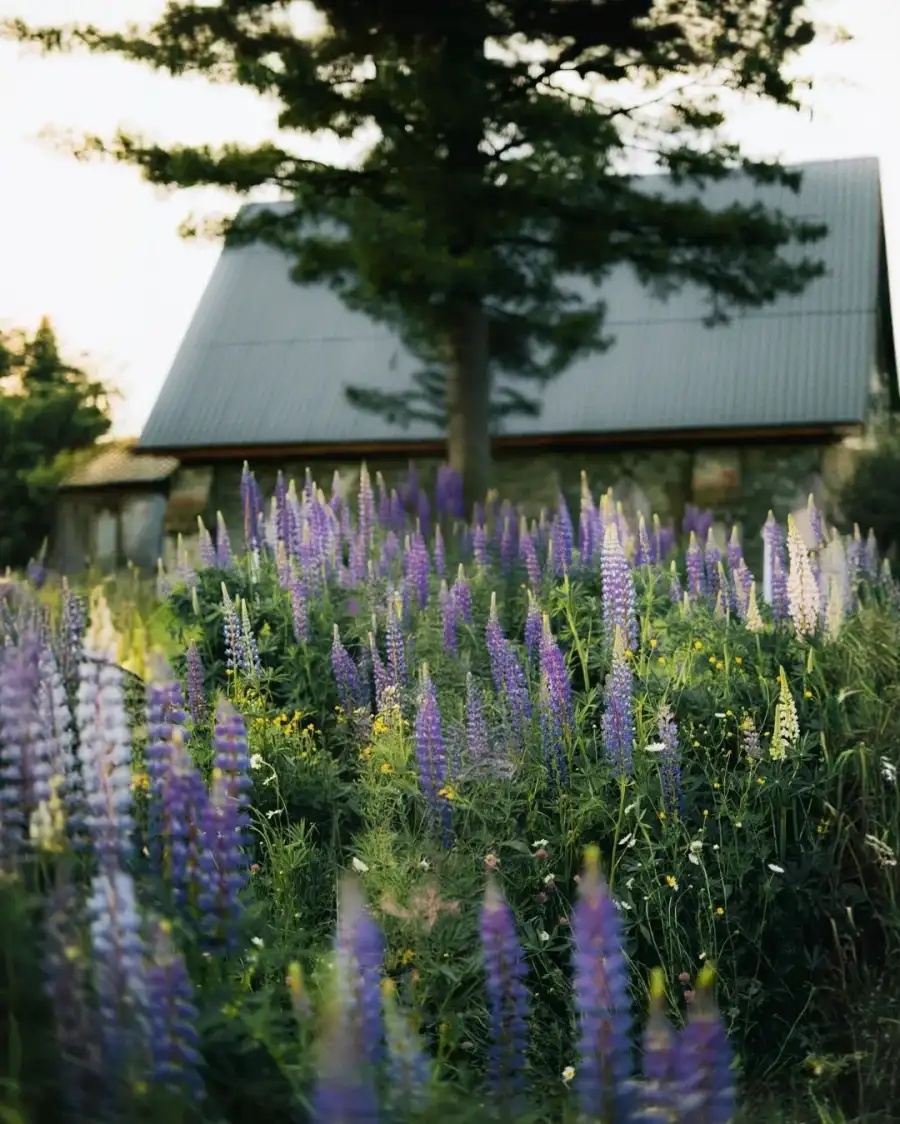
(871, 498)
(48, 409)
(502, 132)
(779, 871)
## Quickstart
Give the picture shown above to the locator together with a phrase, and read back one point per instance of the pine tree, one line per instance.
(503, 131)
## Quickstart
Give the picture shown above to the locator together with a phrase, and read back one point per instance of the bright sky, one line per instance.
(96, 249)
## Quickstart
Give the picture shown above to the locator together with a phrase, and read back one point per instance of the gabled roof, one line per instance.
(265, 362)
(114, 464)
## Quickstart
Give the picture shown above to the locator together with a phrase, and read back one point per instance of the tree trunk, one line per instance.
(468, 399)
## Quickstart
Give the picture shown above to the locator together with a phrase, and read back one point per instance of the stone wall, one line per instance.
(740, 483)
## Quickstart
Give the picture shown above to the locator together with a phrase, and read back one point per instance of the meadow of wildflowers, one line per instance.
(564, 819)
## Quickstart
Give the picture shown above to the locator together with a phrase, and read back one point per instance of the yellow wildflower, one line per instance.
(386, 767)
(671, 881)
(698, 644)
(654, 643)
(407, 956)
(447, 792)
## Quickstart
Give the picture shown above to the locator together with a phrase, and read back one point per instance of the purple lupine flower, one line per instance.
(462, 596)
(439, 553)
(505, 975)
(206, 548)
(54, 711)
(694, 567)
(705, 1084)
(251, 507)
(554, 671)
(68, 986)
(408, 1066)
(697, 522)
(118, 958)
(380, 675)
(394, 643)
(712, 559)
(419, 564)
(534, 627)
(231, 758)
(224, 553)
(178, 803)
(104, 743)
(618, 717)
(299, 611)
(676, 593)
(450, 492)
(431, 755)
(476, 727)
(195, 687)
(345, 674)
(222, 867)
(585, 537)
(618, 590)
(171, 1017)
(734, 551)
(384, 500)
(231, 631)
(567, 531)
(423, 512)
(359, 949)
(601, 1000)
(657, 1096)
(552, 737)
(496, 646)
(449, 614)
(396, 509)
(742, 584)
(670, 763)
(508, 544)
(515, 689)
(528, 554)
(644, 555)
(26, 750)
(249, 646)
(344, 1091)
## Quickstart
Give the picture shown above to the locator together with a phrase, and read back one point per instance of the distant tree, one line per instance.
(871, 497)
(502, 128)
(48, 408)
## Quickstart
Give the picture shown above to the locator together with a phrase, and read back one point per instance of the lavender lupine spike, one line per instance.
(505, 974)
(395, 643)
(366, 507)
(693, 563)
(439, 553)
(602, 1002)
(408, 1065)
(251, 659)
(705, 1083)
(496, 646)
(815, 522)
(224, 553)
(734, 551)
(528, 554)
(72, 636)
(712, 558)
(534, 627)
(552, 737)
(476, 727)
(64, 765)
(345, 1090)
(232, 759)
(657, 1092)
(26, 751)
(431, 756)
(222, 866)
(299, 610)
(345, 675)
(462, 596)
(617, 723)
(231, 629)
(172, 1017)
(872, 561)
(449, 614)
(670, 763)
(644, 554)
(104, 749)
(118, 957)
(618, 590)
(676, 591)
(380, 675)
(195, 688)
(359, 949)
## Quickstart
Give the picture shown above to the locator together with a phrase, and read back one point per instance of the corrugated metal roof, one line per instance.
(266, 362)
(116, 464)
